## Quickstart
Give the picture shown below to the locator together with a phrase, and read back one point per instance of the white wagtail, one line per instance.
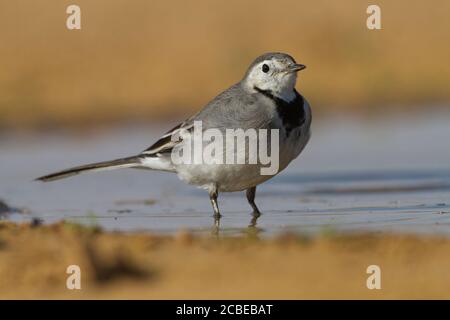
(265, 98)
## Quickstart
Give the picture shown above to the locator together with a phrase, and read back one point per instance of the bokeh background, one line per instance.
(378, 160)
(140, 61)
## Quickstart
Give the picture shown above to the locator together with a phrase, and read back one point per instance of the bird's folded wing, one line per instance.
(169, 140)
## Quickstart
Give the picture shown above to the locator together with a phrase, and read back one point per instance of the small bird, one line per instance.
(265, 98)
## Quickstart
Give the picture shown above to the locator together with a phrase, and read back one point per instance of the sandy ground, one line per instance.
(33, 262)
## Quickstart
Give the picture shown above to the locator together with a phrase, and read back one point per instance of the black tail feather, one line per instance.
(105, 165)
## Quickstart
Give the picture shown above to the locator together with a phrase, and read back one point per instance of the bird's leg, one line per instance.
(213, 197)
(251, 192)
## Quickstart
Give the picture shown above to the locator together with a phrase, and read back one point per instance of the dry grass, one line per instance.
(33, 262)
(138, 59)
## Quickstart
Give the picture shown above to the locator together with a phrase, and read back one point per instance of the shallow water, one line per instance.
(355, 175)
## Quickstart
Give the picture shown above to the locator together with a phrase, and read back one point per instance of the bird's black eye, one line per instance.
(265, 68)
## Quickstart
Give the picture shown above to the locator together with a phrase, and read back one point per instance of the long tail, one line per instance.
(129, 162)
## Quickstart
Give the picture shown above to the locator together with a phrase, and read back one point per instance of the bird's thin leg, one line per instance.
(213, 197)
(251, 192)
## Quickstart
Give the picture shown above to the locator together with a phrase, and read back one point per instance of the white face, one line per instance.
(273, 75)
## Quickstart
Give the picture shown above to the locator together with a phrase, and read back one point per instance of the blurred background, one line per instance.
(150, 60)
(378, 157)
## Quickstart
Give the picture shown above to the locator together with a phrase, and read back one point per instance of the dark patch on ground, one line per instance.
(116, 267)
(127, 202)
(4, 208)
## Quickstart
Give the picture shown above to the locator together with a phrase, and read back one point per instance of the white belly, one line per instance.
(238, 177)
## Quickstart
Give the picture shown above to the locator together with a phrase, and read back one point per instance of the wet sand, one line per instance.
(33, 261)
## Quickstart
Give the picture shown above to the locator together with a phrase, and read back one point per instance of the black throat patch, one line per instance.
(292, 113)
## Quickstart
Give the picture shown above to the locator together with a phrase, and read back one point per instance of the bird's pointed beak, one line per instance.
(296, 67)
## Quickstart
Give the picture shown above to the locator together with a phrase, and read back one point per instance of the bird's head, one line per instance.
(274, 72)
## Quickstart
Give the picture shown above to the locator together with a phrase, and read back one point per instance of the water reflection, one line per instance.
(251, 231)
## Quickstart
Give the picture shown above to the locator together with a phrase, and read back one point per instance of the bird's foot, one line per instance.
(216, 227)
(255, 215)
